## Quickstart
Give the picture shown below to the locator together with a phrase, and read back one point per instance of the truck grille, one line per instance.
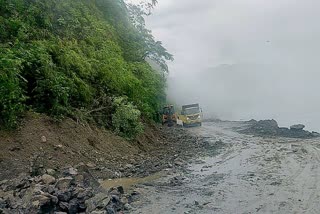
(193, 117)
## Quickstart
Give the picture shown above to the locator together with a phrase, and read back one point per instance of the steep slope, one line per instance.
(73, 57)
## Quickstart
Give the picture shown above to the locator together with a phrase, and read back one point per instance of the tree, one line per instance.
(153, 49)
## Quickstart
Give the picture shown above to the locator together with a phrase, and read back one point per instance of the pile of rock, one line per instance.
(271, 128)
(263, 127)
(68, 194)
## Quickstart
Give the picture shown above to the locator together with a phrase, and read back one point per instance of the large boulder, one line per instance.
(297, 127)
(315, 134)
(264, 127)
(267, 124)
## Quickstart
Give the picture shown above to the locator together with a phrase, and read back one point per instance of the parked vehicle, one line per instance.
(169, 116)
(191, 115)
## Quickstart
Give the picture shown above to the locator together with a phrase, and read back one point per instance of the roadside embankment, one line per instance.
(35, 159)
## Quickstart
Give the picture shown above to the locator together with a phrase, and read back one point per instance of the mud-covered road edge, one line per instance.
(81, 192)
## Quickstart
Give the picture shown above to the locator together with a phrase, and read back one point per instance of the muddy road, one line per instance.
(248, 175)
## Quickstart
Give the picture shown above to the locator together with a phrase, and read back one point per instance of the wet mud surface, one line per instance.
(245, 174)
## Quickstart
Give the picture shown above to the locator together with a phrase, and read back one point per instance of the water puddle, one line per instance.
(127, 183)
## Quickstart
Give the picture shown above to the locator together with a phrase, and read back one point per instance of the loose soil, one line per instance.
(42, 143)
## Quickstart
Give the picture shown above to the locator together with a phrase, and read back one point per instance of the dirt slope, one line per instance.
(42, 144)
(54, 145)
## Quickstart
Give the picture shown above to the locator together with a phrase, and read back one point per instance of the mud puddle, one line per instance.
(128, 183)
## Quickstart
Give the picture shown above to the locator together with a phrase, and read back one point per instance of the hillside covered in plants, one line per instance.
(83, 59)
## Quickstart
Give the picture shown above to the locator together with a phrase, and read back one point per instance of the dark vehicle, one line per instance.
(169, 115)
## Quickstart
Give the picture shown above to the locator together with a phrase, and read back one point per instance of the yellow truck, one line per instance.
(191, 115)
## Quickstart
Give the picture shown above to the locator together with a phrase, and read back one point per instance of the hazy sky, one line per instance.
(244, 59)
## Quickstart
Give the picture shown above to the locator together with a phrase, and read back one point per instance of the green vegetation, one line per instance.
(73, 58)
(125, 120)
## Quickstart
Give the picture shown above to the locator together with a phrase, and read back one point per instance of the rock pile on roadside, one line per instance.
(70, 193)
(271, 128)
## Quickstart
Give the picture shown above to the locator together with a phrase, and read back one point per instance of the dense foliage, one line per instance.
(73, 57)
(125, 120)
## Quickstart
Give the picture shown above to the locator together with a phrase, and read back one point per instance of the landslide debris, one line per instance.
(69, 143)
(63, 174)
(76, 193)
(271, 128)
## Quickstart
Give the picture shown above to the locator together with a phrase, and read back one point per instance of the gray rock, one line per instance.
(82, 206)
(64, 206)
(91, 165)
(48, 179)
(3, 203)
(43, 139)
(51, 189)
(64, 196)
(127, 207)
(64, 183)
(79, 179)
(84, 194)
(110, 210)
(100, 200)
(71, 172)
(129, 166)
(54, 199)
(41, 201)
(115, 198)
(315, 134)
(120, 189)
(22, 182)
(51, 172)
(73, 206)
(297, 127)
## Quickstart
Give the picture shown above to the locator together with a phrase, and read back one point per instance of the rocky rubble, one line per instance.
(46, 187)
(71, 193)
(271, 128)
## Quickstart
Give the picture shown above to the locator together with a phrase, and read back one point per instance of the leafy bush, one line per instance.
(11, 96)
(126, 118)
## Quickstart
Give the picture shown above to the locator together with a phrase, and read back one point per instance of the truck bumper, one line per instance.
(192, 123)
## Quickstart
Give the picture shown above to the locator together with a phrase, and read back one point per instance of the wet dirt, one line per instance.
(248, 175)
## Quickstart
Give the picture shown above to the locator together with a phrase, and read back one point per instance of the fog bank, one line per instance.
(244, 59)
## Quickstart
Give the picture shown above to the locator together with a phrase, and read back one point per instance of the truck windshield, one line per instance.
(189, 111)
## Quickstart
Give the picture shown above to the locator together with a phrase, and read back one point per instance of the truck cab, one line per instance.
(191, 115)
